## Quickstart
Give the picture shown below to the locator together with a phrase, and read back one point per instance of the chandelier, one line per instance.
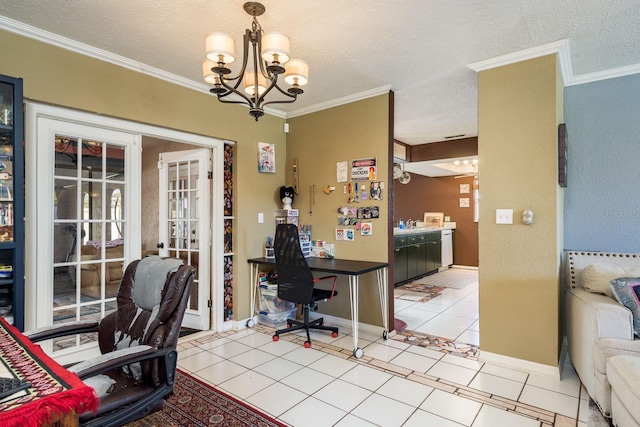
(259, 76)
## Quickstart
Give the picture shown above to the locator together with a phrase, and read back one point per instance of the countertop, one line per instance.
(415, 230)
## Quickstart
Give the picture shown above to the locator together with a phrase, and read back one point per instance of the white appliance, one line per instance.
(447, 248)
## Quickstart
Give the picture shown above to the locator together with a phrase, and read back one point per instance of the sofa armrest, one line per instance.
(609, 347)
(606, 316)
(590, 317)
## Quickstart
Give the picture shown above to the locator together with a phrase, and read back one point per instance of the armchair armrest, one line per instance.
(119, 358)
(61, 330)
(335, 280)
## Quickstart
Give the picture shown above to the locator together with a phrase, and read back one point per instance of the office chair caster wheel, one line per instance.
(250, 323)
(276, 338)
(334, 334)
(385, 335)
(307, 344)
(358, 353)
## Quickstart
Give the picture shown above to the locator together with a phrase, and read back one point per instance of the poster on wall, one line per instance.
(266, 157)
(363, 169)
(347, 234)
(376, 190)
(341, 171)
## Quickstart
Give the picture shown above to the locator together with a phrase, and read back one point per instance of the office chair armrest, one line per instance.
(335, 281)
(118, 358)
(61, 330)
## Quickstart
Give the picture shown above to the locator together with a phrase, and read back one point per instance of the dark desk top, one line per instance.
(335, 266)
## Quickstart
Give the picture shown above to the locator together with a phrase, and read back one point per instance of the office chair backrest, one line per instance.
(295, 280)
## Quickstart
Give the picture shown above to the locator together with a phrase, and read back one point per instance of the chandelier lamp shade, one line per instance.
(265, 57)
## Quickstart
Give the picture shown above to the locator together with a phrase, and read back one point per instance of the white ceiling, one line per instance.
(420, 49)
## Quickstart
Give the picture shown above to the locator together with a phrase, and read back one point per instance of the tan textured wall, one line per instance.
(519, 109)
(57, 76)
(320, 140)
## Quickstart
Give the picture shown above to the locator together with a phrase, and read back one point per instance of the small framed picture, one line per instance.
(266, 157)
(464, 188)
(464, 202)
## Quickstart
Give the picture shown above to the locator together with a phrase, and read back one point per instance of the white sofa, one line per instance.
(598, 326)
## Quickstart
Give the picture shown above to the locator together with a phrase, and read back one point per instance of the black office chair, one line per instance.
(297, 284)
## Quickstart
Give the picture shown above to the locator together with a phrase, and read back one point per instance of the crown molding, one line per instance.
(43, 36)
(605, 75)
(339, 101)
(561, 47)
(93, 52)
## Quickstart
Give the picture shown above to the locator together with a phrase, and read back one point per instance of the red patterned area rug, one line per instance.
(197, 404)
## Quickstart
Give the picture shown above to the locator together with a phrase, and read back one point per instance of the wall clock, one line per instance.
(562, 154)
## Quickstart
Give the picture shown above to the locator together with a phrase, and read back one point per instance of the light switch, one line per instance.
(504, 216)
(260, 217)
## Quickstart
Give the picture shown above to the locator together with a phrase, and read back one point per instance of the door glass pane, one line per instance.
(115, 162)
(89, 230)
(66, 156)
(92, 159)
(63, 286)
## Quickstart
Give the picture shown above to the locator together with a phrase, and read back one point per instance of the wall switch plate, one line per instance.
(504, 216)
(260, 217)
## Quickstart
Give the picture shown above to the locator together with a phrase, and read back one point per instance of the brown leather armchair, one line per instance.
(138, 363)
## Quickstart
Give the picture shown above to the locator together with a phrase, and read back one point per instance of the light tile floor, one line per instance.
(454, 314)
(395, 383)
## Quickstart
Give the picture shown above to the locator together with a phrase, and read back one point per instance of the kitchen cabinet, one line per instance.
(400, 251)
(11, 202)
(434, 255)
(416, 255)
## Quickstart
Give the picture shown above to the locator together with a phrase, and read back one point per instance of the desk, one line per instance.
(55, 393)
(352, 269)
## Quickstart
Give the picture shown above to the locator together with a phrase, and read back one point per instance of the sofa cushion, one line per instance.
(627, 292)
(597, 277)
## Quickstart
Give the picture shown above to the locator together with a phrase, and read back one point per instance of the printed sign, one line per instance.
(363, 169)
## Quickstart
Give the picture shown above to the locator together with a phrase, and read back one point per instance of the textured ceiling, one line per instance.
(420, 48)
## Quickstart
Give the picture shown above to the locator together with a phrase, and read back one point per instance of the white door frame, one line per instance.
(199, 318)
(36, 270)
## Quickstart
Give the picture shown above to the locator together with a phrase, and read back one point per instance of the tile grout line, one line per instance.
(546, 417)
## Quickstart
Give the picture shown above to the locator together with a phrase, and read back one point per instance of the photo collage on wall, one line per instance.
(363, 187)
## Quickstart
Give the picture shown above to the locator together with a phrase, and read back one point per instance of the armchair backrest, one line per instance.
(295, 280)
(151, 303)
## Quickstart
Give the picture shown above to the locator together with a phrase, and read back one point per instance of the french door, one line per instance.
(83, 227)
(184, 223)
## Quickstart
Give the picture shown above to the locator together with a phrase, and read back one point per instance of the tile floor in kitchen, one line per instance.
(395, 383)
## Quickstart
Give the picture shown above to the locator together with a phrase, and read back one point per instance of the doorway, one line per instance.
(87, 187)
(449, 309)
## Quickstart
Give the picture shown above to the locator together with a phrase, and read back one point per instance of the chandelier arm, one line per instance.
(231, 90)
(282, 101)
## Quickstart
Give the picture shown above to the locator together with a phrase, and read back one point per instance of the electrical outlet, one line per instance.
(260, 217)
(504, 216)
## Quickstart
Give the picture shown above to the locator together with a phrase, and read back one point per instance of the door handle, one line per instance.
(160, 245)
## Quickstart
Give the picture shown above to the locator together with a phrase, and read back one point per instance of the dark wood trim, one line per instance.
(449, 149)
(390, 305)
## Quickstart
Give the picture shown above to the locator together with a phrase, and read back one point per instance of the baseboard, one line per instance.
(520, 365)
(464, 267)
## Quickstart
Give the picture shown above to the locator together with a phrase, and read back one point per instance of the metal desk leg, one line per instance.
(384, 300)
(353, 298)
(253, 291)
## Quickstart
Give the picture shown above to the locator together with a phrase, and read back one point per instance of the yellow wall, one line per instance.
(57, 76)
(520, 106)
(320, 140)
